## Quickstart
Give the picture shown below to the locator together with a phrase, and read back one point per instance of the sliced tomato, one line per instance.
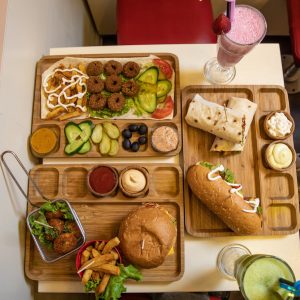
(164, 67)
(161, 113)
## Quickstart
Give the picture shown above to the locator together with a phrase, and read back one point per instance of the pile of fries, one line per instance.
(65, 92)
(98, 262)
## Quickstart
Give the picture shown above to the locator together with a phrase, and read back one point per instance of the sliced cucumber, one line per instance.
(86, 128)
(111, 130)
(149, 76)
(147, 102)
(104, 145)
(114, 148)
(74, 147)
(161, 99)
(97, 134)
(147, 88)
(72, 132)
(163, 88)
(86, 147)
(161, 75)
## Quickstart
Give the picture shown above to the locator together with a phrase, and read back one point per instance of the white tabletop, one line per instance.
(261, 66)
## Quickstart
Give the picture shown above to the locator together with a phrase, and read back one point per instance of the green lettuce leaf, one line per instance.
(91, 285)
(116, 286)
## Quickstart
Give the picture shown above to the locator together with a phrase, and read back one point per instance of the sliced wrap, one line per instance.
(223, 122)
(246, 107)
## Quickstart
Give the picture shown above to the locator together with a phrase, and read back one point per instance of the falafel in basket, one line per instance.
(54, 226)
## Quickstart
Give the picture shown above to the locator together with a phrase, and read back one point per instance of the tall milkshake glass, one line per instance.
(257, 275)
(248, 28)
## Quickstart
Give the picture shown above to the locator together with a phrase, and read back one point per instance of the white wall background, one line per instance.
(32, 27)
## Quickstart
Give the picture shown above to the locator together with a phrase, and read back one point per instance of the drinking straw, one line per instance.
(292, 287)
(230, 9)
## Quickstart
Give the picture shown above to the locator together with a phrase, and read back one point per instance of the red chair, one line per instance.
(164, 22)
(291, 63)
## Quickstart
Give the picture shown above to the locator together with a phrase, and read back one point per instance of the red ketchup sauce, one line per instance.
(102, 180)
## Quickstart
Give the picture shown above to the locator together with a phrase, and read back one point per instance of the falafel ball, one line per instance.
(71, 226)
(131, 69)
(94, 84)
(58, 227)
(113, 67)
(65, 243)
(130, 88)
(113, 83)
(116, 102)
(54, 215)
(97, 101)
(94, 68)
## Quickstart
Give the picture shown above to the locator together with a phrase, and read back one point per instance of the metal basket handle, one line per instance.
(26, 172)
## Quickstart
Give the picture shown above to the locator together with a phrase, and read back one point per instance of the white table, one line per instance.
(261, 66)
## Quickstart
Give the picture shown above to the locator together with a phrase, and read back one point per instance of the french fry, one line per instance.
(110, 245)
(107, 268)
(55, 113)
(101, 246)
(69, 115)
(86, 276)
(81, 67)
(97, 261)
(95, 253)
(84, 101)
(97, 243)
(95, 276)
(102, 286)
(84, 257)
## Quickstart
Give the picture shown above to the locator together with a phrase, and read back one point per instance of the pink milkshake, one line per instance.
(247, 30)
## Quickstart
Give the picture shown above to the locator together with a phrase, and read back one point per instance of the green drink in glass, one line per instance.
(257, 275)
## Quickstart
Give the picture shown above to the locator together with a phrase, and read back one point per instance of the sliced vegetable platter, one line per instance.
(156, 104)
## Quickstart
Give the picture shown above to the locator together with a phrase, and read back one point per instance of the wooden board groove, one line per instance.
(276, 190)
(101, 217)
(46, 61)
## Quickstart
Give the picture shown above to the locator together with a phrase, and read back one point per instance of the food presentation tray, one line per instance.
(101, 217)
(277, 191)
(59, 126)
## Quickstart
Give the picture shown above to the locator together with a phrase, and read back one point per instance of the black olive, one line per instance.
(135, 147)
(142, 140)
(143, 129)
(133, 127)
(126, 144)
(126, 133)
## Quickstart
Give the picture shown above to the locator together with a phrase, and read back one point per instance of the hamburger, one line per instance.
(147, 236)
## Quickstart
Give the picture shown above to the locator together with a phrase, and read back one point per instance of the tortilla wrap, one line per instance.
(223, 122)
(248, 108)
(144, 62)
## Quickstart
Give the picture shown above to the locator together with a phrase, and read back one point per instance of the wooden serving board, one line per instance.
(58, 126)
(101, 217)
(277, 190)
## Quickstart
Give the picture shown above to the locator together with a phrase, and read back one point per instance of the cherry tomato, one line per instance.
(164, 67)
(161, 113)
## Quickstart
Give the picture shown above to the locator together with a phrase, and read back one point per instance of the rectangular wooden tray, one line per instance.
(101, 217)
(58, 126)
(277, 190)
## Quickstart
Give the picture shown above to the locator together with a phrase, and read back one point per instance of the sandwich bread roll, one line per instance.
(218, 199)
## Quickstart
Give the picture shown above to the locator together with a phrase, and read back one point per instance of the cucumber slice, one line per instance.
(97, 134)
(104, 146)
(161, 75)
(147, 102)
(86, 128)
(74, 147)
(114, 148)
(147, 88)
(72, 132)
(149, 76)
(86, 147)
(163, 88)
(111, 130)
(161, 99)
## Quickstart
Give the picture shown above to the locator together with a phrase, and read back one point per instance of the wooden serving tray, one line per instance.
(277, 190)
(59, 126)
(101, 217)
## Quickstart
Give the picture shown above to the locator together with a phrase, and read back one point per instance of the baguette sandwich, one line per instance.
(215, 187)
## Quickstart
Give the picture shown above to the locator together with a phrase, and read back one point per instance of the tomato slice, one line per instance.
(161, 113)
(164, 67)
